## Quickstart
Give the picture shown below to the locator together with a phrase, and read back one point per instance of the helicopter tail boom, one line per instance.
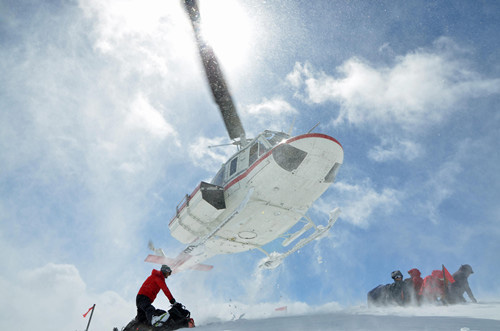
(174, 263)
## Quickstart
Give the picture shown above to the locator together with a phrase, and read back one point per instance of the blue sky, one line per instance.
(106, 117)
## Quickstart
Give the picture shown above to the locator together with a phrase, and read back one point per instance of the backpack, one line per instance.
(378, 296)
(180, 317)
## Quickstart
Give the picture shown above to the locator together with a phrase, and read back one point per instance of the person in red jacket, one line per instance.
(413, 285)
(433, 290)
(149, 290)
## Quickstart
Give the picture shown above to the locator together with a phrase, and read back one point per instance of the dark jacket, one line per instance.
(397, 292)
(461, 285)
(389, 294)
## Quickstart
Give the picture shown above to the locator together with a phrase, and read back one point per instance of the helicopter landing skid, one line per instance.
(275, 259)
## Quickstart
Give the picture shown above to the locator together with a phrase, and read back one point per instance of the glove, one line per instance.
(172, 301)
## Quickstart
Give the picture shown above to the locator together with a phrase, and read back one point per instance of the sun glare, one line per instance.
(228, 29)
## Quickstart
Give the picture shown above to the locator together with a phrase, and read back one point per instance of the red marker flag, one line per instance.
(88, 311)
(448, 276)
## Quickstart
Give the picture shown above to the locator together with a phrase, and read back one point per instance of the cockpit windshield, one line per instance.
(274, 138)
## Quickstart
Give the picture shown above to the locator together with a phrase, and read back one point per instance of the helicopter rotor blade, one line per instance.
(215, 76)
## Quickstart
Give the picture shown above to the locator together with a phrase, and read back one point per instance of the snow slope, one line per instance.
(483, 316)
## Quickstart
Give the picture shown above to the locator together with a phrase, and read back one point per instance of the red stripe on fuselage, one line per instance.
(256, 163)
(313, 135)
(308, 135)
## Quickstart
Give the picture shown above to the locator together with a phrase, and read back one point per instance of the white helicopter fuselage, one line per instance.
(260, 193)
(257, 196)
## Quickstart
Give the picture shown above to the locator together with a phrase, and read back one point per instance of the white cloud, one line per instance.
(206, 153)
(273, 107)
(421, 88)
(86, 136)
(404, 150)
(270, 114)
(143, 115)
(152, 41)
(439, 187)
(361, 202)
(54, 297)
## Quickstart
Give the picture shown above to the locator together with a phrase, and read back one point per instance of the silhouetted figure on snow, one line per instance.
(390, 294)
(461, 285)
(397, 291)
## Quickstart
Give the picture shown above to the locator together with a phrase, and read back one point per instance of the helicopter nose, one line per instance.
(288, 157)
(323, 156)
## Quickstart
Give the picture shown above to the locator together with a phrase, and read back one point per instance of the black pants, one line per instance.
(145, 309)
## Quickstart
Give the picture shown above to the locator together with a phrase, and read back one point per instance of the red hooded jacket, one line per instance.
(153, 284)
(417, 280)
(433, 286)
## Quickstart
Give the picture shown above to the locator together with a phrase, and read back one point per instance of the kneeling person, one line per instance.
(149, 290)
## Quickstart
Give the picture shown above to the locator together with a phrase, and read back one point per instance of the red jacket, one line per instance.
(417, 280)
(153, 284)
(433, 286)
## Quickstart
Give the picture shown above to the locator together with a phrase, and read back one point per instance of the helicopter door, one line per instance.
(236, 167)
(233, 167)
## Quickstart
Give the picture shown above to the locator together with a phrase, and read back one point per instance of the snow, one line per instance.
(482, 316)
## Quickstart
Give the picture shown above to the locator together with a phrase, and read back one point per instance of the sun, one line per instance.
(228, 29)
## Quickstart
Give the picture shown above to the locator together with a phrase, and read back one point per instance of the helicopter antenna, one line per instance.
(215, 77)
(222, 145)
(314, 127)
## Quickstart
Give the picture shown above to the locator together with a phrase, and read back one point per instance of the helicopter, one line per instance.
(259, 194)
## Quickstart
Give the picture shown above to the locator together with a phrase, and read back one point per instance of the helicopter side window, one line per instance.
(233, 166)
(253, 154)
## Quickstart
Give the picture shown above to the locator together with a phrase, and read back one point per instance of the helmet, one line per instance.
(396, 273)
(166, 270)
(466, 268)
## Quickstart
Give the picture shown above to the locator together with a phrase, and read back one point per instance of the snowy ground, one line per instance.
(482, 316)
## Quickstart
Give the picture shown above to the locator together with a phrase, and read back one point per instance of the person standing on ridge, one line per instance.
(149, 290)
